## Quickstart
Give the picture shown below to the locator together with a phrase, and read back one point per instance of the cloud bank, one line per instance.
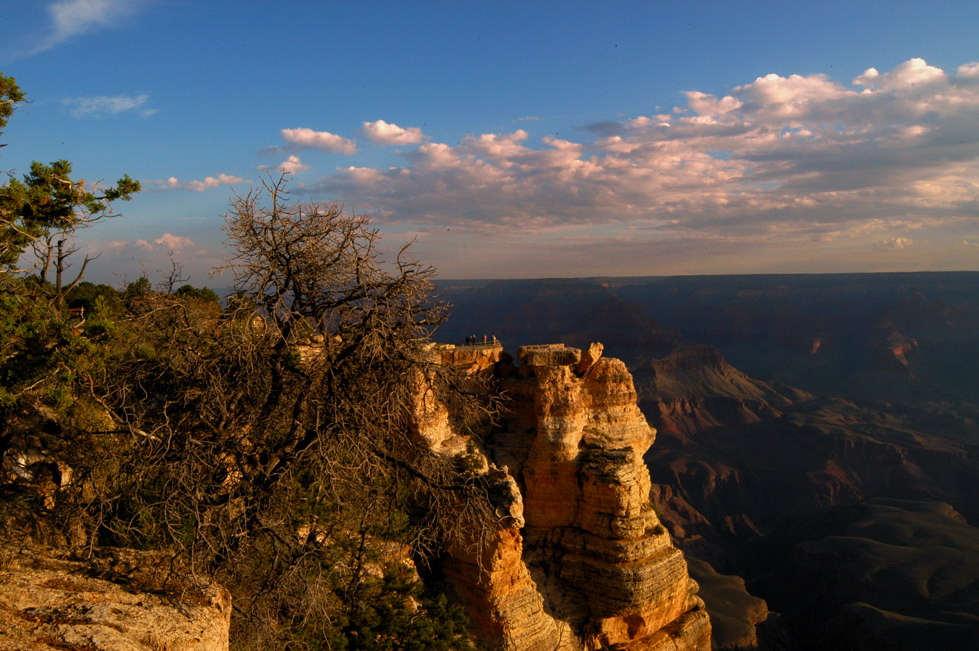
(801, 159)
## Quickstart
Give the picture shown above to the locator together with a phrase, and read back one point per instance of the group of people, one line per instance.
(473, 340)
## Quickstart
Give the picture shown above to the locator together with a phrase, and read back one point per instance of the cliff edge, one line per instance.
(578, 559)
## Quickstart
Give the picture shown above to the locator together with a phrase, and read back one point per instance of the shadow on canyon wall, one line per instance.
(817, 437)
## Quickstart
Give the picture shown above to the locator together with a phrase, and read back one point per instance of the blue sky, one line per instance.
(520, 139)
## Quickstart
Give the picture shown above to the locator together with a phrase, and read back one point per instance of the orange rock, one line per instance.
(592, 567)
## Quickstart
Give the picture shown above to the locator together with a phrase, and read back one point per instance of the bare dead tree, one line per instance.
(273, 442)
(53, 252)
(174, 277)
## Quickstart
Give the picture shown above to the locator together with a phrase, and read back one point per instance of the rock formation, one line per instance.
(579, 559)
(123, 602)
(745, 467)
(576, 557)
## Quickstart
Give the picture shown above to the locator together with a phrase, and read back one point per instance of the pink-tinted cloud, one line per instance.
(154, 257)
(386, 133)
(802, 158)
(292, 165)
(911, 73)
(167, 241)
(209, 183)
(305, 138)
(896, 243)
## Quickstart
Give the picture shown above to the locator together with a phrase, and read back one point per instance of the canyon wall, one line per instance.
(579, 559)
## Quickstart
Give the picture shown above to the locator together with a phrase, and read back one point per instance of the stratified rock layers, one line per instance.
(586, 563)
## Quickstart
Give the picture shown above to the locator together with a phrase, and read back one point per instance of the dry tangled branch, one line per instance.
(271, 443)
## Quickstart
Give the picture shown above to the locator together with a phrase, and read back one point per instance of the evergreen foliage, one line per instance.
(47, 207)
(189, 292)
(10, 96)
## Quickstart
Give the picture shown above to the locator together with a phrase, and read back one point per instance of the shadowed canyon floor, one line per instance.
(787, 408)
(814, 470)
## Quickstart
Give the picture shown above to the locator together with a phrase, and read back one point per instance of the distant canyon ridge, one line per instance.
(818, 439)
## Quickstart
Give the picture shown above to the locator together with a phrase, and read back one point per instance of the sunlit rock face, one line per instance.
(431, 422)
(586, 565)
(122, 600)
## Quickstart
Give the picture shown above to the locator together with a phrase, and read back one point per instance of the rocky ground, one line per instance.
(114, 601)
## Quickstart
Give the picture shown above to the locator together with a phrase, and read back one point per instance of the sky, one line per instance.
(518, 139)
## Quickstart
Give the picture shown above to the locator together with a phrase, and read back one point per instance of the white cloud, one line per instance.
(498, 146)
(365, 176)
(435, 155)
(70, 18)
(292, 165)
(896, 243)
(702, 104)
(209, 182)
(169, 242)
(125, 260)
(111, 105)
(968, 70)
(303, 138)
(913, 72)
(797, 159)
(773, 97)
(386, 133)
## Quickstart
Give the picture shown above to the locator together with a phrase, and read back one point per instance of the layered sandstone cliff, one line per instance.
(579, 559)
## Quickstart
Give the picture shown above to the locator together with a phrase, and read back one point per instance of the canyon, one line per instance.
(796, 415)
(748, 462)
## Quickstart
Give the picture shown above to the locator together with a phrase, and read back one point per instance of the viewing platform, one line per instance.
(480, 356)
(475, 355)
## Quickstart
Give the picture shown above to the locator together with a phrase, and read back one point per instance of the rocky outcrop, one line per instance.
(899, 347)
(698, 371)
(475, 358)
(431, 422)
(107, 599)
(580, 559)
(744, 467)
(122, 602)
(735, 615)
